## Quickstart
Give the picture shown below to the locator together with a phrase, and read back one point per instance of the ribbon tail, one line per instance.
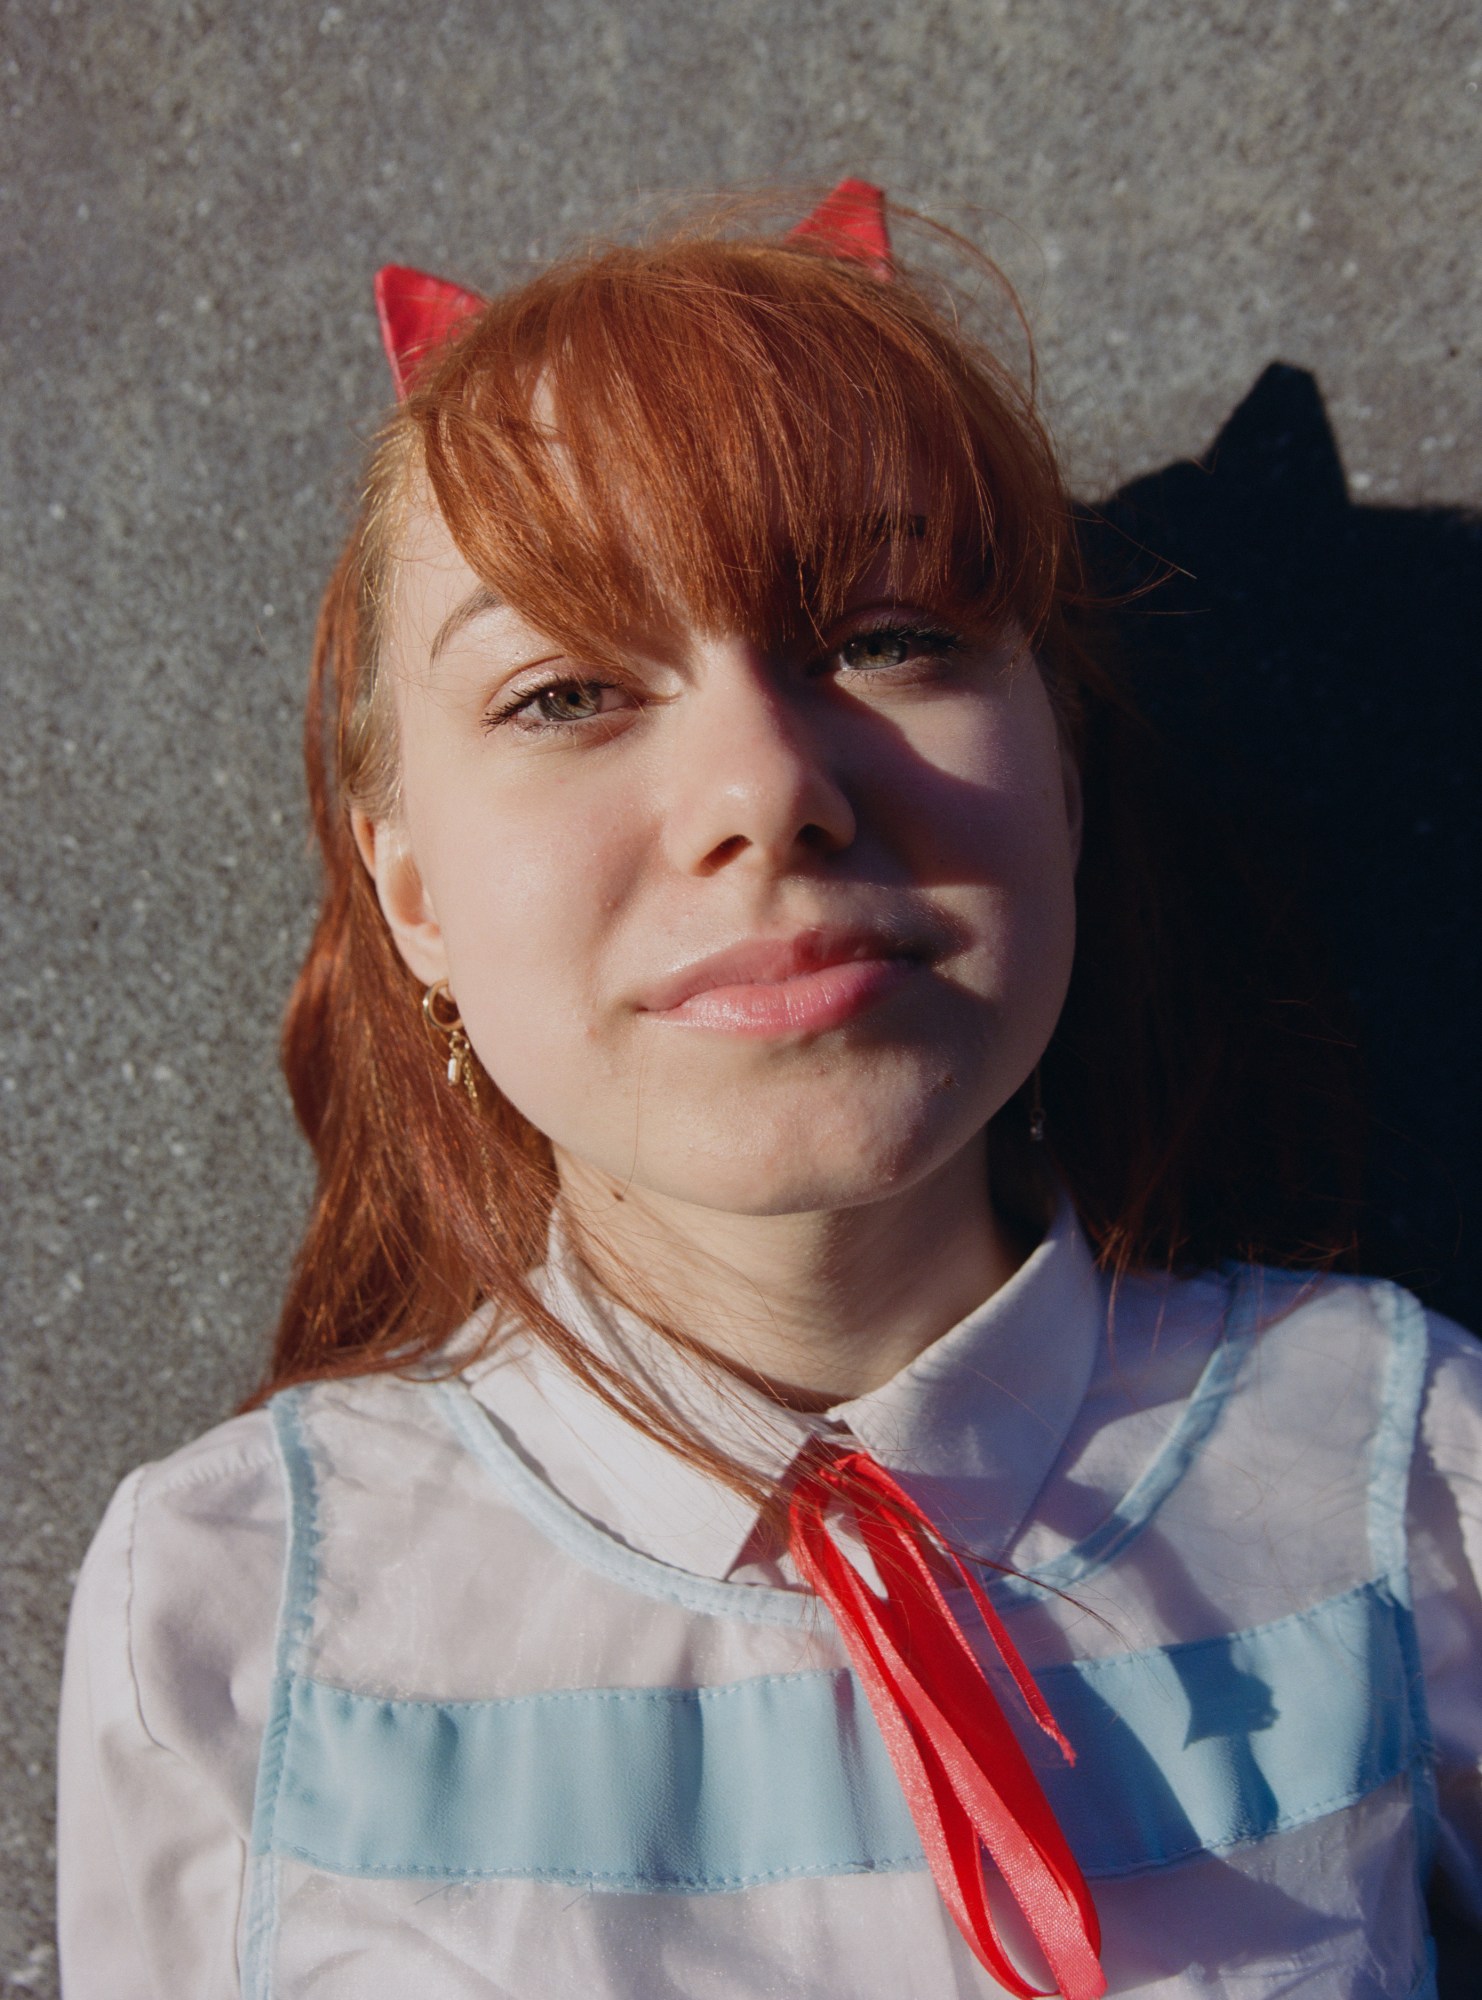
(964, 1774)
(1024, 1681)
(947, 1834)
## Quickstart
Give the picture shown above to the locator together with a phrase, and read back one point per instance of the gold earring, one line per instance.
(1036, 1110)
(440, 1012)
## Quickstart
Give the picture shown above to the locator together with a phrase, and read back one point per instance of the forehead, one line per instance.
(434, 589)
(427, 578)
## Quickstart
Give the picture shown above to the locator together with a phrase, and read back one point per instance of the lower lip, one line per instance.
(807, 1005)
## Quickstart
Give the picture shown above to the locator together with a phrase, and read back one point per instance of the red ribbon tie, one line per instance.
(967, 1782)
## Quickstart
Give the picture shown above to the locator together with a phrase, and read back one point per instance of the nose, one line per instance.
(755, 780)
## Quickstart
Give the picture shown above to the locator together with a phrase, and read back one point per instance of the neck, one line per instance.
(817, 1308)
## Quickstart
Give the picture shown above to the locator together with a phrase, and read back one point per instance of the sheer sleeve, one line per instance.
(169, 1660)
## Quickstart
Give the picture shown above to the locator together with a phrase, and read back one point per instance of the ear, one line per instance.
(417, 314)
(850, 223)
(402, 894)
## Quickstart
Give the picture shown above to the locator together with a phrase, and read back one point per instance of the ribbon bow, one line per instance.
(967, 1782)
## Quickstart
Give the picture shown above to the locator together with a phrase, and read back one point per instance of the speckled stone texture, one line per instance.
(194, 197)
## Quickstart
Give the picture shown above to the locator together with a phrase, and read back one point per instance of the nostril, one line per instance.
(727, 850)
(811, 837)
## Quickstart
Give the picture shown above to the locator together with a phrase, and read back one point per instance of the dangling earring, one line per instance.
(1036, 1110)
(440, 1012)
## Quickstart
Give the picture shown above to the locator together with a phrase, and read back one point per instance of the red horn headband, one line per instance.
(419, 313)
(850, 223)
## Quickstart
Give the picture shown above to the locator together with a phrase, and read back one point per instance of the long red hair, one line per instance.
(739, 423)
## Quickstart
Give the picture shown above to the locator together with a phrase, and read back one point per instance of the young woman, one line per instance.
(780, 1473)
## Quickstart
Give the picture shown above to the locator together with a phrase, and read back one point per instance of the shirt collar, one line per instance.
(972, 1426)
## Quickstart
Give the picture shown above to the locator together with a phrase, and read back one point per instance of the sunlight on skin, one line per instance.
(809, 1199)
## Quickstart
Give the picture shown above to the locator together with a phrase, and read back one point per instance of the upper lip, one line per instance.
(766, 961)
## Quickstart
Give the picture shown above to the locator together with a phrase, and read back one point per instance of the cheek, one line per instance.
(548, 894)
(982, 817)
(526, 919)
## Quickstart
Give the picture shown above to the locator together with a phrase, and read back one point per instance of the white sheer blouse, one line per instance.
(171, 1647)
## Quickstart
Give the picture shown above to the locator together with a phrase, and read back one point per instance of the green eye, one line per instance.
(561, 705)
(888, 647)
(885, 646)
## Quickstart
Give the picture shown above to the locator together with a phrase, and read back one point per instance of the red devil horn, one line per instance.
(418, 313)
(850, 223)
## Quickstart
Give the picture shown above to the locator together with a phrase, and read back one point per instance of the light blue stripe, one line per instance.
(1203, 1745)
(295, 1617)
(1389, 1486)
(1394, 1437)
(1216, 1742)
(614, 1788)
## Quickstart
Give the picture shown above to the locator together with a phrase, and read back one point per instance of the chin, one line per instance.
(812, 1158)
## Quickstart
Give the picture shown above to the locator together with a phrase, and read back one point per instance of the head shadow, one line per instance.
(1305, 662)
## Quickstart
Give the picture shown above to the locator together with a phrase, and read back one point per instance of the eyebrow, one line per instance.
(477, 602)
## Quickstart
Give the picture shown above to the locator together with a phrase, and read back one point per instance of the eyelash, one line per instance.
(510, 712)
(933, 642)
(926, 641)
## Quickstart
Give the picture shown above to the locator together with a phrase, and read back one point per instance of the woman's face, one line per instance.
(763, 932)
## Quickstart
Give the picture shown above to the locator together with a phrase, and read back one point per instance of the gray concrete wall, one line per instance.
(192, 200)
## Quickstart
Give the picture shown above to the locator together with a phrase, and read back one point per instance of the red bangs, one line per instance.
(730, 432)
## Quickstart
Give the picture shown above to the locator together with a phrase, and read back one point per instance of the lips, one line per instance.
(809, 981)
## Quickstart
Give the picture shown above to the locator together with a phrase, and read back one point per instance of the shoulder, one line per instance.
(1418, 1358)
(1277, 1325)
(1359, 1323)
(174, 1618)
(1320, 1361)
(176, 1611)
(208, 1526)
(232, 1482)
(1425, 1374)
(223, 1485)
(1443, 1359)
(165, 1506)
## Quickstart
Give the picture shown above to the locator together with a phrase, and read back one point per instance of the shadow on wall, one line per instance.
(1309, 663)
